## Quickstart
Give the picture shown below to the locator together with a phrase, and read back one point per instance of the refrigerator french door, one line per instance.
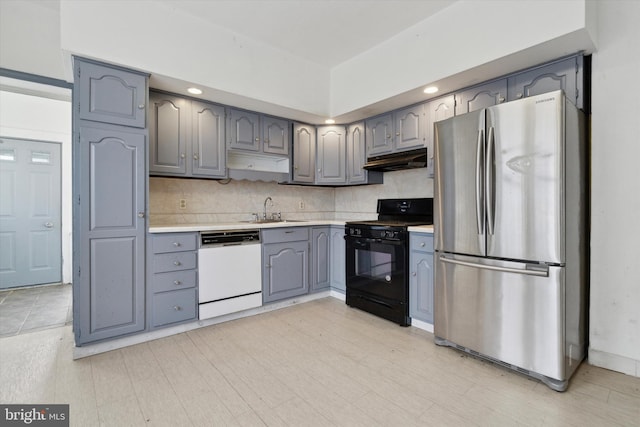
(509, 201)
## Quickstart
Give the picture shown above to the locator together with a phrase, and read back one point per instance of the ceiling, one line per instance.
(326, 32)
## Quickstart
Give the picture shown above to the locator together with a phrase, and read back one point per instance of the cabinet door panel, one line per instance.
(304, 153)
(480, 97)
(331, 152)
(561, 75)
(110, 235)
(168, 134)
(437, 109)
(245, 130)
(421, 282)
(356, 154)
(337, 252)
(379, 135)
(207, 134)
(286, 271)
(409, 126)
(320, 246)
(275, 134)
(111, 95)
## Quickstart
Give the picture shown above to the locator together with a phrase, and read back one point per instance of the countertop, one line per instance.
(243, 225)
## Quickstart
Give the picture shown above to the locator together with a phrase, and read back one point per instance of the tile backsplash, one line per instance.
(210, 201)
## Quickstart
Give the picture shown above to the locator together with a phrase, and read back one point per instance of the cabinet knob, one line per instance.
(195, 157)
(397, 133)
(177, 282)
(177, 308)
(140, 214)
(519, 95)
(388, 136)
(413, 273)
(501, 99)
(141, 107)
(422, 244)
(267, 266)
(48, 224)
(257, 139)
(177, 263)
(176, 244)
(182, 156)
(319, 170)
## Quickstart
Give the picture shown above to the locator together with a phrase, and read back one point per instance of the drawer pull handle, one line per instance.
(177, 263)
(177, 282)
(177, 308)
(176, 244)
(422, 244)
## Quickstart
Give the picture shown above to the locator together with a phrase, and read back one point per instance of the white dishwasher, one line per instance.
(229, 272)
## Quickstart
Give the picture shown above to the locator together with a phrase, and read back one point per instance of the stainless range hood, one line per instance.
(398, 161)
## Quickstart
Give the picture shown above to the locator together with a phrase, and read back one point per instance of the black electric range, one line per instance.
(377, 258)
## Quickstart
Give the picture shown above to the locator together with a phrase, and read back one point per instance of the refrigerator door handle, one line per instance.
(489, 180)
(539, 273)
(480, 182)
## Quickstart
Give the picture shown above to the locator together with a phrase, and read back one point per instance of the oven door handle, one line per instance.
(363, 241)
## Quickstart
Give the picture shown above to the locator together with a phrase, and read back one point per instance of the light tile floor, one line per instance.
(315, 364)
(34, 308)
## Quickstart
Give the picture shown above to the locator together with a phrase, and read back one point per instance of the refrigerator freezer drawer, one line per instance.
(504, 311)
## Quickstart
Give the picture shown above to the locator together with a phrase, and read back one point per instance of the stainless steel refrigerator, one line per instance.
(510, 218)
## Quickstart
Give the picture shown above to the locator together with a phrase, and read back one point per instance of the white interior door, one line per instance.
(30, 213)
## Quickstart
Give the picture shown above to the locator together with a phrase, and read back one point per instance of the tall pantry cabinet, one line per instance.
(109, 200)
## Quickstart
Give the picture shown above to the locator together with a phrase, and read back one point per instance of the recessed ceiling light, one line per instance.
(329, 121)
(194, 90)
(430, 89)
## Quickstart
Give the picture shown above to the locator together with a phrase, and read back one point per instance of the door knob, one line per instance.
(48, 224)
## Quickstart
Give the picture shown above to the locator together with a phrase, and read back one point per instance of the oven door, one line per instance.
(377, 267)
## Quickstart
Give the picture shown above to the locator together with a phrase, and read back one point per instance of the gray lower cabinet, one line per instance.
(566, 74)
(172, 290)
(186, 137)
(110, 94)
(320, 258)
(109, 232)
(285, 256)
(337, 258)
(421, 277)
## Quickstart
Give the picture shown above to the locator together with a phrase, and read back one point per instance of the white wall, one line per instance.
(615, 195)
(30, 37)
(32, 117)
(154, 37)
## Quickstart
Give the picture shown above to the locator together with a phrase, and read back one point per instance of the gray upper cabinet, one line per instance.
(250, 131)
(285, 256)
(109, 233)
(320, 250)
(304, 153)
(379, 135)
(186, 137)
(331, 155)
(208, 152)
(566, 74)
(436, 109)
(111, 95)
(275, 135)
(356, 154)
(409, 125)
(169, 133)
(479, 97)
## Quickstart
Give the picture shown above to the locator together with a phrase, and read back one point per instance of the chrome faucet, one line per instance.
(264, 211)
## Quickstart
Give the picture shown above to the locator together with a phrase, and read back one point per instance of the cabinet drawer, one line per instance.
(421, 242)
(289, 234)
(173, 281)
(175, 261)
(174, 242)
(172, 307)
